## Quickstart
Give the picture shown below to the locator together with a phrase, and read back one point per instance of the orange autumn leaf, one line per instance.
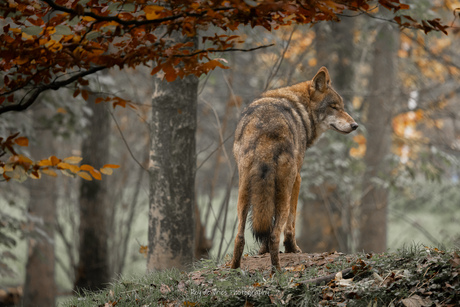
(86, 167)
(106, 171)
(96, 174)
(54, 161)
(85, 176)
(152, 11)
(70, 167)
(111, 166)
(48, 172)
(144, 249)
(22, 141)
(72, 160)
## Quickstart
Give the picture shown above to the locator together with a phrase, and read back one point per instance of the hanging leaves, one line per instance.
(19, 167)
(78, 38)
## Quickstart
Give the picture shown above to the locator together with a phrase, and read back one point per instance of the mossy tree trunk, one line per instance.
(172, 164)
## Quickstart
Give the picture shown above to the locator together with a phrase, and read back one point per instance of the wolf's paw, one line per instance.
(263, 249)
(292, 248)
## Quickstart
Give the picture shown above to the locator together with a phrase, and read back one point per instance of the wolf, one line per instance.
(271, 138)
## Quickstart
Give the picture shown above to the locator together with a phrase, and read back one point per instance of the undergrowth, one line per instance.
(412, 276)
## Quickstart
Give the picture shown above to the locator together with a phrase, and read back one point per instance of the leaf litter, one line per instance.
(411, 277)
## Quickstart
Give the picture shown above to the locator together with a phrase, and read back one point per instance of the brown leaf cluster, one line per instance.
(49, 44)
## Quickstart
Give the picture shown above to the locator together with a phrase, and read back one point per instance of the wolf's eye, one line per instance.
(335, 107)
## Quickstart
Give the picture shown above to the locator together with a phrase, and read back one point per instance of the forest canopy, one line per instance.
(88, 80)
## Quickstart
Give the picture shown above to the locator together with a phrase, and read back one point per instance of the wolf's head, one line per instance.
(328, 105)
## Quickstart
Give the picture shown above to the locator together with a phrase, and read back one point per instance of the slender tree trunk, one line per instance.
(93, 267)
(326, 220)
(374, 202)
(40, 286)
(172, 174)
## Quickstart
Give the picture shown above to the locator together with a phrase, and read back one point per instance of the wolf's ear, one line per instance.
(321, 79)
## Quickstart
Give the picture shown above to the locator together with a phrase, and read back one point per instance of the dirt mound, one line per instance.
(289, 262)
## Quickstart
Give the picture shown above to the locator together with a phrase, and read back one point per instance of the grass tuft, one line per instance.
(412, 276)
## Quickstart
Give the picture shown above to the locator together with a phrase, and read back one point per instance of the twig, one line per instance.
(326, 279)
(416, 225)
(430, 52)
(331, 220)
(128, 223)
(221, 50)
(226, 201)
(70, 249)
(232, 236)
(274, 70)
(126, 143)
(216, 149)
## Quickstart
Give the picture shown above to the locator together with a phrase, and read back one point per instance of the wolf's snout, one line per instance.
(354, 126)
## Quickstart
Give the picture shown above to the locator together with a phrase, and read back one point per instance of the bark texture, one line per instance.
(172, 164)
(40, 286)
(380, 110)
(93, 271)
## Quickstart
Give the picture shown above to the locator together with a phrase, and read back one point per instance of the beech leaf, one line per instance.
(106, 171)
(111, 166)
(72, 160)
(151, 11)
(86, 167)
(54, 161)
(48, 172)
(70, 167)
(85, 176)
(22, 141)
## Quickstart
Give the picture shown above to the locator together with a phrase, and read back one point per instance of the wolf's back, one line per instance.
(264, 148)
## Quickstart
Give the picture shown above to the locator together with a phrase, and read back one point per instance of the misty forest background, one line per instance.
(400, 168)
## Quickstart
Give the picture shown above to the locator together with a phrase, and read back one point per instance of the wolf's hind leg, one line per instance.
(282, 208)
(290, 245)
(274, 240)
(243, 208)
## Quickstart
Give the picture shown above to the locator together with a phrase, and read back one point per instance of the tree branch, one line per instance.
(126, 142)
(100, 18)
(225, 50)
(33, 94)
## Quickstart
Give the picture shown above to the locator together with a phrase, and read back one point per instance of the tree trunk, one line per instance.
(93, 267)
(40, 286)
(172, 173)
(325, 221)
(373, 216)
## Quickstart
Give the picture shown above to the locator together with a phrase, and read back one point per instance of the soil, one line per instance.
(288, 261)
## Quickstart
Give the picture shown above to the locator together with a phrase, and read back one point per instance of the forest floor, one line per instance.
(414, 276)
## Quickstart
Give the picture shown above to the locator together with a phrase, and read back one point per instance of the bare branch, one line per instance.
(219, 50)
(126, 142)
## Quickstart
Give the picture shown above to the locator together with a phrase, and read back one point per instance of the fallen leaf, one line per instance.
(416, 301)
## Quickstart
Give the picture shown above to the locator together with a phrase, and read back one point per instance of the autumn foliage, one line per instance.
(50, 44)
(46, 45)
(19, 167)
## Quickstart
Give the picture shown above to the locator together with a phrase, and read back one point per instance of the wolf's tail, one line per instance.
(262, 198)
